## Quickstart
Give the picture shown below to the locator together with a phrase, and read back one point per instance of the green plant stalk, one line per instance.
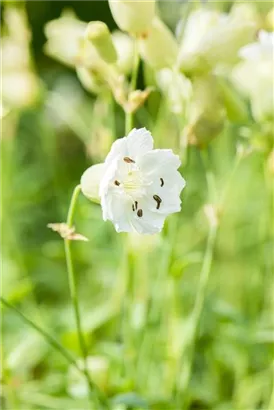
(202, 286)
(101, 401)
(51, 341)
(132, 87)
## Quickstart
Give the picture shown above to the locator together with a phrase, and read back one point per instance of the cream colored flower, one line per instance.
(133, 16)
(212, 39)
(64, 36)
(158, 46)
(261, 49)
(138, 186)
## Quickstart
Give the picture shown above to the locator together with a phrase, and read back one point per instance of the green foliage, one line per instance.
(136, 295)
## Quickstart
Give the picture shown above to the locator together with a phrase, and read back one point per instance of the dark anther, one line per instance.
(116, 182)
(133, 208)
(162, 181)
(128, 160)
(140, 213)
(136, 204)
(158, 200)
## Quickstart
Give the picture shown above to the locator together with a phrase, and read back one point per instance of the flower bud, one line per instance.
(158, 47)
(125, 51)
(135, 17)
(90, 181)
(98, 34)
(206, 111)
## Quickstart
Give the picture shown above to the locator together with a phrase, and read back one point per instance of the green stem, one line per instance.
(56, 345)
(202, 286)
(101, 401)
(133, 82)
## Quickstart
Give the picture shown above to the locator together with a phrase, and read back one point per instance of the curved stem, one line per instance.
(101, 401)
(133, 82)
(54, 343)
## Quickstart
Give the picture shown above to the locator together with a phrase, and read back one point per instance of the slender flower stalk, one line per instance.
(53, 342)
(101, 401)
(202, 286)
(133, 82)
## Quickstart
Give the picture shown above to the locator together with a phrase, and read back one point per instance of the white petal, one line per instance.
(139, 141)
(150, 222)
(157, 161)
(116, 208)
(265, 37)
(169, 196)
(118, 150)
(90, 181)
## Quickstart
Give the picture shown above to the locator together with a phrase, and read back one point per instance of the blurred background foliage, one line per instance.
(136, 294)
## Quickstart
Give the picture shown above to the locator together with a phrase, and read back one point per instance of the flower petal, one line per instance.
(116, 208)
(157, 161)
(150, 222)
(139, 142)
(90, 181)
(166, 199)
(118, 150)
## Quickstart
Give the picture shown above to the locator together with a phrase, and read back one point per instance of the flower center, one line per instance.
(133, 183)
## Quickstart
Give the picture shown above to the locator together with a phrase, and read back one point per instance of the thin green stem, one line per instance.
(133, 82)
(194, 320)
(54, 343)
(101, 401)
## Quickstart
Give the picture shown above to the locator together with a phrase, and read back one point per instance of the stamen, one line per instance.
(136, 204)
(128, 160)
(133, 208)
(140, 213)
(162, 181)
(158, 200)
(116, 182)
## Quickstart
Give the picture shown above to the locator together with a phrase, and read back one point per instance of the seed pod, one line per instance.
(98, 34)
(158, 47)
(133, 16)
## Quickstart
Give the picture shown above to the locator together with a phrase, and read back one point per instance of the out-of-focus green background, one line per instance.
(136, 294)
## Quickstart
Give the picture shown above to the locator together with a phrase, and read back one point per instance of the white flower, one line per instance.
(138, 186)
(262, 49)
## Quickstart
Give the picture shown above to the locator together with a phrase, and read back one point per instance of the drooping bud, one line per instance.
(206, 111)
(158, 47)
(135, 17)
(98, 34)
